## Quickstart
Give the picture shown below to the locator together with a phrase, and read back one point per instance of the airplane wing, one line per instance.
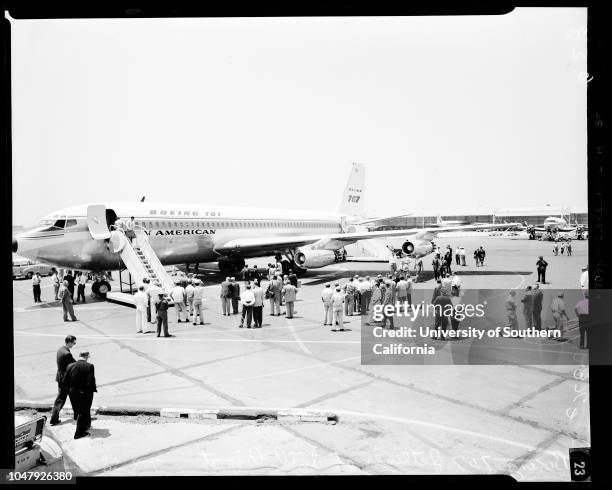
(256, 246)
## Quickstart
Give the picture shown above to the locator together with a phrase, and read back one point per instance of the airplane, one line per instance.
(553, 226)
(79, 237)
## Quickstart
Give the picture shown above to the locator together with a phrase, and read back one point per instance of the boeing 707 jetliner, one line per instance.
(79, 237)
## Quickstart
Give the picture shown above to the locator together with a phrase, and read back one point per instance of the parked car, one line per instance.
(27, 268)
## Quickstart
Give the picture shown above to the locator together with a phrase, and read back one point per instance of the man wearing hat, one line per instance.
(161, 309)
(337, 303)
(541, 265)
(559, 314)
(327, 296)
(80, 380)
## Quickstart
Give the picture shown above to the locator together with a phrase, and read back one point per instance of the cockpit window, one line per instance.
(54, 225)
(71, 222)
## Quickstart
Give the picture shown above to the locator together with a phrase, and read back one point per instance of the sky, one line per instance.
(465, 111)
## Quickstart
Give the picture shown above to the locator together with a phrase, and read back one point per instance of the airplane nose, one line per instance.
(15, 244)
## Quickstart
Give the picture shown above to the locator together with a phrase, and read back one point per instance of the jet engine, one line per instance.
(418, 248)
(313, 259)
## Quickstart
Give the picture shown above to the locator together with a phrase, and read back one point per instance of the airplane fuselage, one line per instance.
(178, 234)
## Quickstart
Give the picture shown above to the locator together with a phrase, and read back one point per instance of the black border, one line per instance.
(598, 176)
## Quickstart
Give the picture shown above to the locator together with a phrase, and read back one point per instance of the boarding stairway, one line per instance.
(140, 259)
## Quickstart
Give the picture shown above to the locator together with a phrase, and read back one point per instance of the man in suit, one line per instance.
(289, 293)
(226, 296)
(64, 359)
(161, 309)
(537, 306)
(80, 380)
(235, 289)
(70, 278)
(541, 265)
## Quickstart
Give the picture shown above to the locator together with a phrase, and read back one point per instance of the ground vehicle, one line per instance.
(27, 268)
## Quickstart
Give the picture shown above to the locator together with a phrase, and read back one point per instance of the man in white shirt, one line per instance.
(462, 255)
(198, 300)
(81, 282)
(189, 296)
(140, 301)
(178, 296)
(365, 292)
(258, 294)
(557, 307)
(446, 285)
(36, 279)
(327, 297)
(248, 300)
(56, 283)
(153, 294)
(584, 278)
(337, 305)
(455, 284)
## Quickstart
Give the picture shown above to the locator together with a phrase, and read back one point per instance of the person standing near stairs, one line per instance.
(178, 296)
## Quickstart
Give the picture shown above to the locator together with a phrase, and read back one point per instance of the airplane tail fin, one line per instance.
(352, 199)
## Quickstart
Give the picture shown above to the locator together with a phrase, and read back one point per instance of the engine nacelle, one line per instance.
(313, 259)
(419, 248)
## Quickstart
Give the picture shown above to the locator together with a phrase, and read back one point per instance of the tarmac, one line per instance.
(385, 419)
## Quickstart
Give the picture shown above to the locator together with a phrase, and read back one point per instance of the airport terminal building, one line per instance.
(530, 215)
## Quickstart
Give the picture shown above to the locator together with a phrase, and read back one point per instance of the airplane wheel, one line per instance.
(100, 288)
(29, 275)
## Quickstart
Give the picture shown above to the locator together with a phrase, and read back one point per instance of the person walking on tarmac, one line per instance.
(80, 380)
(435, 263)
(541, 266)
(63, 359)
(67, 301)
